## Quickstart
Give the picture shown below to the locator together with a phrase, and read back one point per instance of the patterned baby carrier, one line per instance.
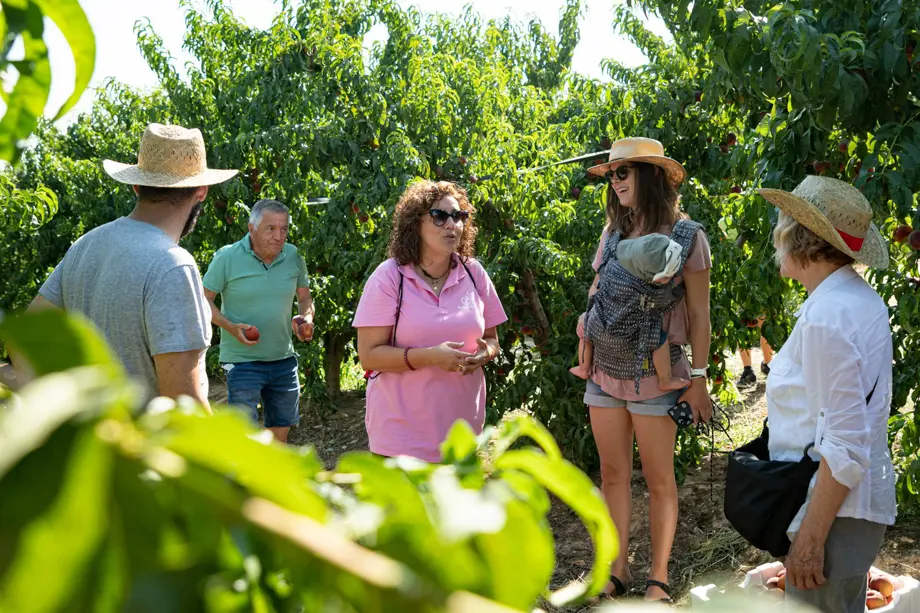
(623, 319)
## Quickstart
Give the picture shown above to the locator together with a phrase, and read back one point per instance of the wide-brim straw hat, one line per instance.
(169, 156)
(646, 150)
(837, 212)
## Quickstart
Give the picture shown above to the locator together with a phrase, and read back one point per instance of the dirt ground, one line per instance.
(706, 549)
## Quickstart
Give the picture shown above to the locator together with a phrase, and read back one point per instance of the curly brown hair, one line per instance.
(405, 238)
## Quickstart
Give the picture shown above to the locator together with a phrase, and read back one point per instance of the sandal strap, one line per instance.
(664, 587)
(618, 588)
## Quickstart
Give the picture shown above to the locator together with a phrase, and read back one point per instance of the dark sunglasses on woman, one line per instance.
(439, 217)
(621, 172)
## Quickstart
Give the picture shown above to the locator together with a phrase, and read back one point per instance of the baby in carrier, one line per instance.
(654, 258)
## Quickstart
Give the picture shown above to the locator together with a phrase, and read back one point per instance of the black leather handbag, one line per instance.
(763, 496)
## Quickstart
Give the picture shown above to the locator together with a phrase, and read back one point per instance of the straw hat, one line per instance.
(646, 150)
(837, 212)
(169, 156)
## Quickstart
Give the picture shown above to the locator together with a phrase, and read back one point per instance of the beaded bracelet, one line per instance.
(406, 359)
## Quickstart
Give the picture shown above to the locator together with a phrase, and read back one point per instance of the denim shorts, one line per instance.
(653, 407)
(273, 384)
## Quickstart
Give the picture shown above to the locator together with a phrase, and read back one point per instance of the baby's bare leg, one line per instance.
(585, 353)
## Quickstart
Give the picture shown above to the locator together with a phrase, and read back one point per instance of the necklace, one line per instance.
(436, 282)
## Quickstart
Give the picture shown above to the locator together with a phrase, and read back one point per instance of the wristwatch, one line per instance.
(698, 373)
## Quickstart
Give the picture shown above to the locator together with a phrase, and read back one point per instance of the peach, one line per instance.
(882, 585)
(875, 600)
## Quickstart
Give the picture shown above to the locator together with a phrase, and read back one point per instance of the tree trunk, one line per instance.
(333, 355)
(536, 307)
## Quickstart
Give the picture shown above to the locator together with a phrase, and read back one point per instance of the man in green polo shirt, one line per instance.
(258, 278)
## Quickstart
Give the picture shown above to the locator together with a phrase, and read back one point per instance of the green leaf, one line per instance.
(64, 535)
(463, 512)
(26, 102)
(51, 341)
(43, 405)
(520, 426)
(387, 486)
(69, 17)
(460, 445)
(225, 444)
(577, 491)
(525, 536)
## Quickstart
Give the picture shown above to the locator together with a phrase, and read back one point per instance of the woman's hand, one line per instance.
(697, 396)
(805, 562)
(478, 359)
(447, 356)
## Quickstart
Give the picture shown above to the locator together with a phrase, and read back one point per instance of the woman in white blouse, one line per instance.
(839, 351)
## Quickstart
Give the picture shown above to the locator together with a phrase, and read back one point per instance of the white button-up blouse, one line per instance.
(817, 388)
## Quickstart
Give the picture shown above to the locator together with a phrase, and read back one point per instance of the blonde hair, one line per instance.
(790, 238)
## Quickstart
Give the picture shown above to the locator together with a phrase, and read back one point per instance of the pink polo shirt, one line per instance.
(410, 413)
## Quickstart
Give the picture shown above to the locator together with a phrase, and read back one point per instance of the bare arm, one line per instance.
(305, 303)
(217, 318)
(697, 285)
(593, 289)
(178, 374)
(40, 303)
(376, 353)
(805, 562)
(22, 372)
(221, 321)
(306, 310)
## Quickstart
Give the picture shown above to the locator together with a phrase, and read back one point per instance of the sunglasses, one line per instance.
(439, 217)
(621, 172)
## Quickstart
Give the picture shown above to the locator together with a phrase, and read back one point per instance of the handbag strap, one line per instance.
(872, 391)
(400, 295)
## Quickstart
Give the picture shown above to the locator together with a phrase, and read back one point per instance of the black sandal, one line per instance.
(664, 587)
(619, 588)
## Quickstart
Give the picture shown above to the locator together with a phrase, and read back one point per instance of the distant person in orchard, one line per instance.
(748, 376)
(132, 279)
(426, 325)
(628, 318)
(258, 278)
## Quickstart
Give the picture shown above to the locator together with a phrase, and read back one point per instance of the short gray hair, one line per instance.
(790, 238)
(266, 205)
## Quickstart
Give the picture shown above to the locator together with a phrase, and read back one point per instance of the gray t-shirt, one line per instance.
(140, 288)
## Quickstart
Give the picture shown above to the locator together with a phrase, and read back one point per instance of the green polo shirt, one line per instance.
(257, 294)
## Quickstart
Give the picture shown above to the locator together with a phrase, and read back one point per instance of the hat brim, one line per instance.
(130, 174)
(874, 251)
(675, 170)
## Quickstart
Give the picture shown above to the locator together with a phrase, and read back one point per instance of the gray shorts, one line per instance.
(849, 551)
(653, 407)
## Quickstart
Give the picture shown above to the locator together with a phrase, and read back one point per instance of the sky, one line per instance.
(117, 54)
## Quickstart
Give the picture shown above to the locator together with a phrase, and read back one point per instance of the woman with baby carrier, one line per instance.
(650, 297)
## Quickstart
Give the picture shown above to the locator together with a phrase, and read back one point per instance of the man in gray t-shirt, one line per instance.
(132, 279)
(140, 288)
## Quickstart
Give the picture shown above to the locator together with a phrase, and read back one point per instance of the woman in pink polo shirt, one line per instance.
(426, 325)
